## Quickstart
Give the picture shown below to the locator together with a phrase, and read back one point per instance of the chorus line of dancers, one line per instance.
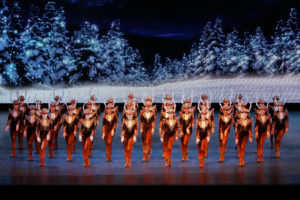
(41, 126)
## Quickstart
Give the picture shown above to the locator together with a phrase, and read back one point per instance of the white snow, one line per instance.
(286, 87)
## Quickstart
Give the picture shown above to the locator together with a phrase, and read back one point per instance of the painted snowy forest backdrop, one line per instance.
(39, 51)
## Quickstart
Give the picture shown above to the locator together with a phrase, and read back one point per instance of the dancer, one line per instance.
(110, 122)
(129, 133)
(166, 106)
(153, 109)
(169, 134)
(30, 126)
(244, 133)
(60, 109)
(86, 135)
(43, 133)
(23, 107)
(236, 108)
(280, 126)
(56, 119)
(205, 105)
(38, 113)
(70, 126)
(272, 109)
(95, 114)
(203, 131)
(147, 117)
(13, 123)
(186, 121)
(262, 130)
(77, 112)
(225, 122)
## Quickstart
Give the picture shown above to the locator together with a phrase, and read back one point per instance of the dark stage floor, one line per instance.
(285, 170)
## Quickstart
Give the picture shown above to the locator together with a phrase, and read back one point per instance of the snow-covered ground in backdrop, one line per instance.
(287, 87)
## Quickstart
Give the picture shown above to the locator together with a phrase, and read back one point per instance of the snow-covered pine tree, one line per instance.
(113, 46)
(122, 63)
(179, 69)
(291, 37)
(213, 62)
(57, 44)
(294, 61)
(259, 51)
(246, 57)
(33, 49)
(185, 67)
(4, 56)
(135, 72)
(276, 48)
(13, 71)
(3, 15)
(232, 53)
(189, 61)
(86, 52)
(170, 70)
(159, 73)
(199, 52)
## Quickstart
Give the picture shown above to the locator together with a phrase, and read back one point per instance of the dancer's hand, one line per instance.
(197, 140)
(134, 138)
(188, 131)
(256, 135)
(250, 139)
(91, 138)
(55, 128)
(38, 139)
(152, 131)
(6, 129)
(268, 134)
(236, 141)
(103, 136)
(181, 133)
(162, 140)
(112, 133)
(176, 138)
(48, 137)
(122, 139)
(80, 138)
(207, 139)
(25, 133)
(17, 127)
(213, 130)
